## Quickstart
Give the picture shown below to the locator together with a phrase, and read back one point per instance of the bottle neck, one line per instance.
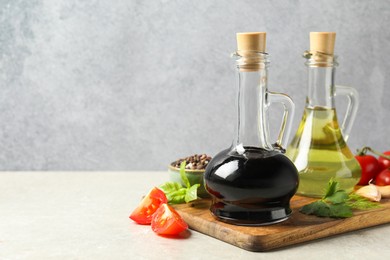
(321, 78)
(252, 124)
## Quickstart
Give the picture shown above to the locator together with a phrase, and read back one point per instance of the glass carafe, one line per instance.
(252, 182)
(319, 149)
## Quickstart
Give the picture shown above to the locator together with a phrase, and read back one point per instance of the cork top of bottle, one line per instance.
(322, 42)
(251, 50)
(251, 41)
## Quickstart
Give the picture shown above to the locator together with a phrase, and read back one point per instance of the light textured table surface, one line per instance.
(84, 215)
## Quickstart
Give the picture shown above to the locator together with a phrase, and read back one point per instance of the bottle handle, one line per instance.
(289, 107)
(350, 114)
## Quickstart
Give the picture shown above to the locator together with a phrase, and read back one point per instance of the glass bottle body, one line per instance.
(319, 149)
(252, 182)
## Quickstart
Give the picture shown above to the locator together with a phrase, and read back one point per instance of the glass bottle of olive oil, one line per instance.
(319, 149)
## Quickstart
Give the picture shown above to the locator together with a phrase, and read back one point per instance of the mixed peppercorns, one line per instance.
(193, 162)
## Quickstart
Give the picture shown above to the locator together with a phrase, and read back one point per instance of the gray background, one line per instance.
(134, 85)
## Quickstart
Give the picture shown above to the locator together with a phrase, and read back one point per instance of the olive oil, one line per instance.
(319, 149)
(320, 152)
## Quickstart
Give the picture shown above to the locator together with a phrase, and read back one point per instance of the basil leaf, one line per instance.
(191, 193)
(176, 193)
(183, 174)
(177, 197)
(169, 187)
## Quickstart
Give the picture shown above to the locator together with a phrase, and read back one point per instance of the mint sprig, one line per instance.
(337, 203)
(176, 193)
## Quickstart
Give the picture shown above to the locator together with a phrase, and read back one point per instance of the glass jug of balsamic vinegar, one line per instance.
(252, 182)
(319, 149)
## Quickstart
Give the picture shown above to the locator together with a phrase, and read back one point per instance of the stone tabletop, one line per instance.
(84, 215)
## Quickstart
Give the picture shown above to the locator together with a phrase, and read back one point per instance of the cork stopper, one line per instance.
(251, 41)
(322, 42)
(250, 46)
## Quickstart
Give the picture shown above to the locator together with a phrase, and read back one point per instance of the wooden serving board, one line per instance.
(298, 228)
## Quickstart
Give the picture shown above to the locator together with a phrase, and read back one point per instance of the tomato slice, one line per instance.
(166, 221)
(150, 203)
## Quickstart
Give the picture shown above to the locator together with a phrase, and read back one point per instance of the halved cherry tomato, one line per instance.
(383, 162)
(370, 168)
(383, 178)
(166, 221)
(150, 203)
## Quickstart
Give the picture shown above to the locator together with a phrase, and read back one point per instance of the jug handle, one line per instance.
(289, 107)
(350, 114)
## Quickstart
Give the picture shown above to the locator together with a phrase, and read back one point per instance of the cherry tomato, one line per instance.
(383, 162)
(150, 203)
(166, 221)
(383, 178)
(370, 168)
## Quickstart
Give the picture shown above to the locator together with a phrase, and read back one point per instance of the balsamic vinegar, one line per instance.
(252, 182)
(253, 188)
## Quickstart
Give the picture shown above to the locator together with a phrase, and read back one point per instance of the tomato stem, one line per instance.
(365, 149)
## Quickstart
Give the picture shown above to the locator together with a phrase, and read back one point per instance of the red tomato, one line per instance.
(370, 168)
(166, 221)
(148, 206)
(383, 162)
(383, 178)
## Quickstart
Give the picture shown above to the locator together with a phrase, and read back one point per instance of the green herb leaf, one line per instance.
(341, 210)
(170, 187)
(175, 191)
(339, 196)
(191, 193)
(177, 197)
(337, 203)
(318, 208)
(183, 174)
(322, 209)
(333, 186)
(358, 202)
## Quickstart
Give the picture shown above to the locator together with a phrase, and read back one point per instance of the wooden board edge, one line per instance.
(324, 230)
(262, 243)
(223, 233)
